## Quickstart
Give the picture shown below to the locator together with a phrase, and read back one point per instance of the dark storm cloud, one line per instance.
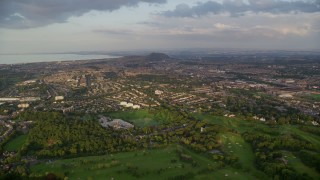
(35, 13)
(239, 7)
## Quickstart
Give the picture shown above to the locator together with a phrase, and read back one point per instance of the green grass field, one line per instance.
(149, 164)
(245, 125)
(314, 139)
(315, 97)
(312, 97)
(16, 143)
(165, 163)
(296, 163)
(139, 118)
(233, 123)
(234, 144)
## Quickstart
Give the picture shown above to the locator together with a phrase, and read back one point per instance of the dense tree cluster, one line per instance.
(311, 159)
(59, 135)
(269, 156)
(312, 130)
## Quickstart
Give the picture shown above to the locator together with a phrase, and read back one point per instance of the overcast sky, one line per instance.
(32, 26)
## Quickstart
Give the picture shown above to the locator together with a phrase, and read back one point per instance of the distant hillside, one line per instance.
(157, 57)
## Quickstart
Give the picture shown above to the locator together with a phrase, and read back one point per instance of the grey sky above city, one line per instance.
(110, 25)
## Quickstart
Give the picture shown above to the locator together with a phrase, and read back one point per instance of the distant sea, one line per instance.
(30, 58)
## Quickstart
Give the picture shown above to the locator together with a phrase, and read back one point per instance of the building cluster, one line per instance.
(8, 128)
(129, 105)
(20, 99)
(114, 123)
(28, 82)
(137, 83)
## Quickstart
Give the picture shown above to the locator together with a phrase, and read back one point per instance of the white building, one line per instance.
(9, 99)
(286, 95)
(262, 119)
(123, 103)
(29, 99)
(158, 92)
(290, 81)
(59, 98)
(129, 105)
(115, 124)
(27, 82)
(25, 105)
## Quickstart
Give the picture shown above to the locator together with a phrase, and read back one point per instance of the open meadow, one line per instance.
(165, 163)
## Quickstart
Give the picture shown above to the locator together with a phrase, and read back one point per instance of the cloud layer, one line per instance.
(35, 13)
(270, 24)
(240, 7)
